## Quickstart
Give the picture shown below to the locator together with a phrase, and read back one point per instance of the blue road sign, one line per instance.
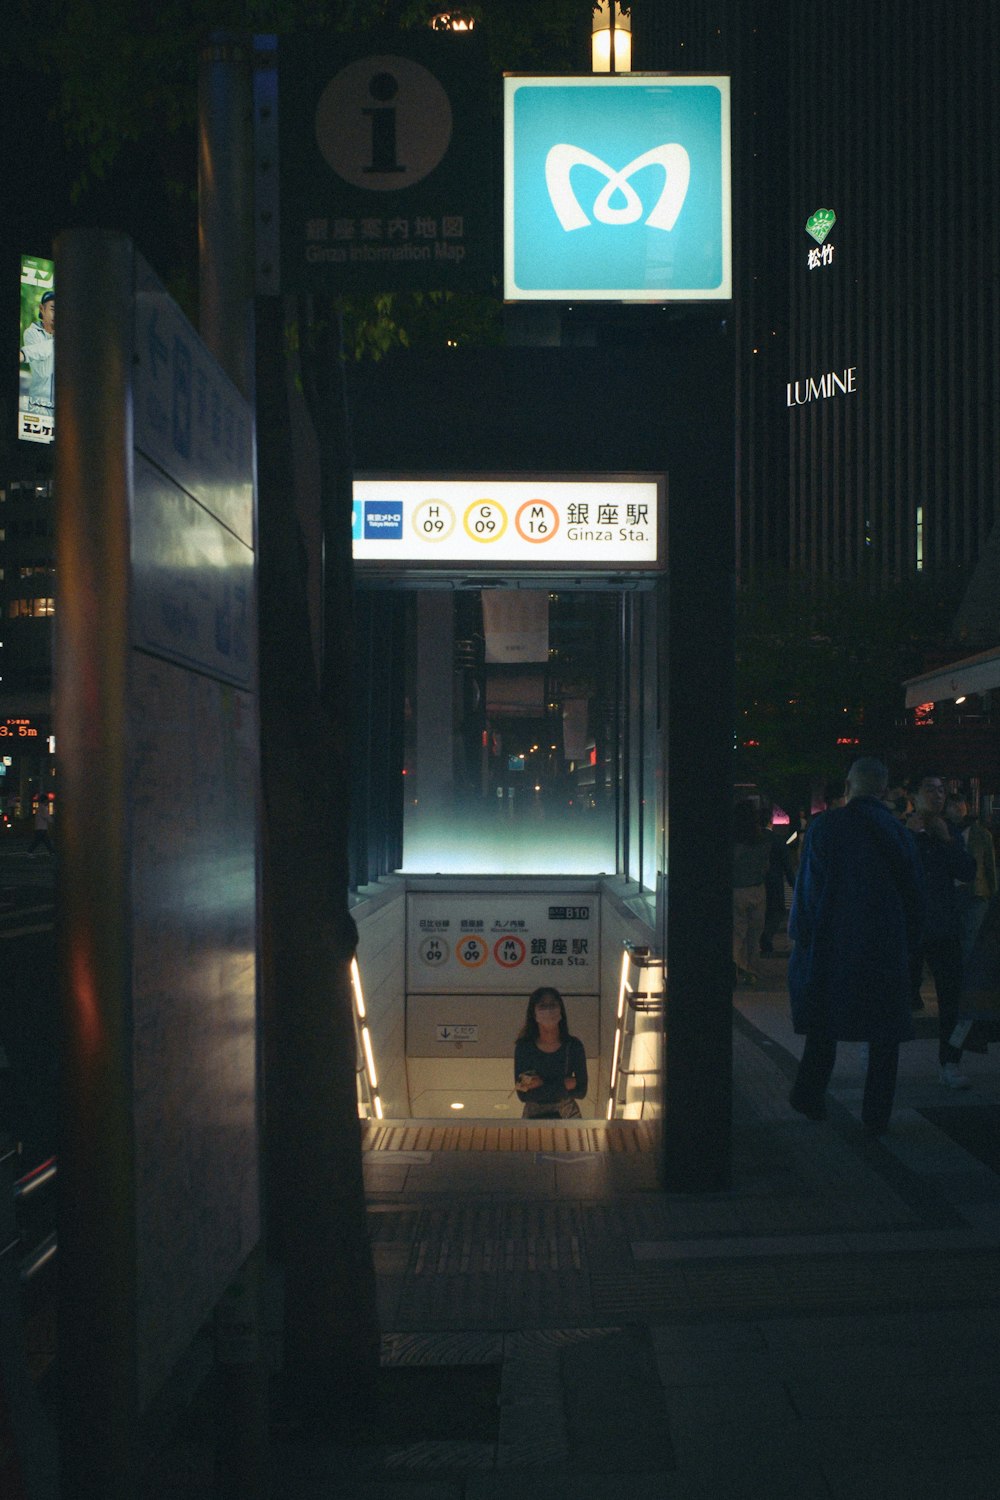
(617, 188)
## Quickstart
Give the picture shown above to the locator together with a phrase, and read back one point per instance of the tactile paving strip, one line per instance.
(630, 1137)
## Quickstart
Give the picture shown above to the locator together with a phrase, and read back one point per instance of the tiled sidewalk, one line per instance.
(828, 1328)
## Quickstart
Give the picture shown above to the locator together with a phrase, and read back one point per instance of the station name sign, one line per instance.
(607, 525)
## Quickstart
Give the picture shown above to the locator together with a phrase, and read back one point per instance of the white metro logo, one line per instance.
(672, 158)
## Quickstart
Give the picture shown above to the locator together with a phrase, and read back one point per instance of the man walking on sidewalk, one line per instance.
(945, 859)
(856, 923)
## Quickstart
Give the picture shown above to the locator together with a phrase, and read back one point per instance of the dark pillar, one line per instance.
(697, 667)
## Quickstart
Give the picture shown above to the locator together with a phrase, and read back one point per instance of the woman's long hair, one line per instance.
(530, 1027)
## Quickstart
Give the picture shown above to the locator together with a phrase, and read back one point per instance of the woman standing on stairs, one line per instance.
(550, 1065)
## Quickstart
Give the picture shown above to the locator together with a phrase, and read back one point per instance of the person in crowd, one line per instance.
(973, 897)
(43, 819)
(751, 858)
(897, 800)
(779, 869)
(856, 925)
(835, 795)
(945, 860)
(550, 1065)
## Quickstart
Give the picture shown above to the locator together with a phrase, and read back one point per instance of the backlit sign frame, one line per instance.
(594, 524)
(617, 188)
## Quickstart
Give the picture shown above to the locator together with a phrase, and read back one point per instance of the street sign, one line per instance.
(384, 180)
(605, 524)
(617, 188)
(458, 1033)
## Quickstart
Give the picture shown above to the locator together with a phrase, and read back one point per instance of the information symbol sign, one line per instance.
(383, 123)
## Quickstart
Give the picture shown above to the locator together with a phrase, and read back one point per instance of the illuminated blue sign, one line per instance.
(384, 520)
(617, 188)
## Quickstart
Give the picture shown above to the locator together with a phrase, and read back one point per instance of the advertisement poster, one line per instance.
(37, 327)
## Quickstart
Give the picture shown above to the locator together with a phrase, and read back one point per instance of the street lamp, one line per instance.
(611, 41)
(451, 20)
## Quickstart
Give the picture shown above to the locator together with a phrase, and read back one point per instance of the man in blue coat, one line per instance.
(857, 923)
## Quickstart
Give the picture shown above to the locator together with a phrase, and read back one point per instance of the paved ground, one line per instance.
(828, 1328)
(554, 1325)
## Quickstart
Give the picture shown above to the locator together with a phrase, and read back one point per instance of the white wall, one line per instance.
(439, 1072)
(380, 917)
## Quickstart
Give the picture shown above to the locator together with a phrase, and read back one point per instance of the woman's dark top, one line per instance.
(554, 1068)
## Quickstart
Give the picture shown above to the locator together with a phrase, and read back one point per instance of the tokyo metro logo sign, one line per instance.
(617, 188)
(673, 159)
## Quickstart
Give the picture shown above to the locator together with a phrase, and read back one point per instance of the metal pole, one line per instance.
(226, 320)
(97, 1250)
(225, 205)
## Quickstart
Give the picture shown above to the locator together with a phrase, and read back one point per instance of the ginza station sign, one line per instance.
(617, 188)
(484, 522)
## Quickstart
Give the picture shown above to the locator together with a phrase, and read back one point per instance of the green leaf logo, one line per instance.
(820, 223)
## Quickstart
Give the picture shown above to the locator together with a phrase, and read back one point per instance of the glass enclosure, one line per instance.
(530, 732)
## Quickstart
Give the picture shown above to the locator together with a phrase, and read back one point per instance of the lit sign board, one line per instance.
(617, 188)
(382, 178)
(539, 524)
(818, 226)
(18, 729)
(36, 388)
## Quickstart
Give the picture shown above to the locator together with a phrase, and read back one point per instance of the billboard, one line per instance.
(617, 188)
(606, 524)
(37, 343)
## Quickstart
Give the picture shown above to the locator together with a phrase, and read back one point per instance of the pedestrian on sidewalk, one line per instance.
(856, 923)
(43, 818)
(779, 870)
(945, 860)
(973, 897)
(751, 858)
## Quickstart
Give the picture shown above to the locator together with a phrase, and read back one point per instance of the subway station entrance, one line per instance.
(544, 739)
(532, 809)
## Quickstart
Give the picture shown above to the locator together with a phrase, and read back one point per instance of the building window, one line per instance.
(18, 608)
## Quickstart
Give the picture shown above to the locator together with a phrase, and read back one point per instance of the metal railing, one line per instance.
(45, 1250)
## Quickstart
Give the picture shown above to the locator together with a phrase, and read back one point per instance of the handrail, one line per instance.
(39, 1257)
(36, 1178)
(46, 1249)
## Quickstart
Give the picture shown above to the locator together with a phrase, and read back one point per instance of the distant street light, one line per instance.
(451, 20)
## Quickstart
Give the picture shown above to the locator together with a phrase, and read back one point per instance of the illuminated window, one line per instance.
(920, 538)
(35, 608)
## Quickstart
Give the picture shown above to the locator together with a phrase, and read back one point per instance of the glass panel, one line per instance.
(511, 754)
